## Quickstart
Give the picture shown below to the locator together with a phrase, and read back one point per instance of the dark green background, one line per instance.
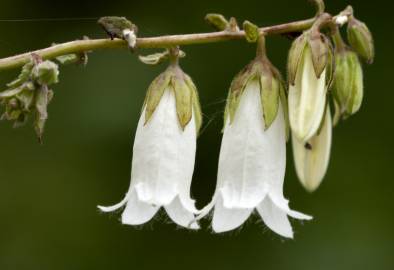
(49, 193)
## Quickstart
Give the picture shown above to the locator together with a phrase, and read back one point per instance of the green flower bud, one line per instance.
(312, 158)
(252, 31)
(46, 73)
(360, 38)
(186, 96)
(271, 87)
(217, 21)
(348, 82)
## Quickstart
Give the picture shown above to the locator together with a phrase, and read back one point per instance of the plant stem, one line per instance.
(80, 46)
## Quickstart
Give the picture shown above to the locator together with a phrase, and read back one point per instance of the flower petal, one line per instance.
(116, 206)
(251, 158)
(138, 212)
(227, 219)
(180, 215)
(283, 204)
(163, 154)
(275, 218)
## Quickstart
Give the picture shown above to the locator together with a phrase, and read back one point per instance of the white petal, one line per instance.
(311, 164)
(307, 99)
(227, 219)
(163, 154)
(180, 215)
(275, 218)
(116, 206)
(251, 159)
(283, 204)
(138, 212)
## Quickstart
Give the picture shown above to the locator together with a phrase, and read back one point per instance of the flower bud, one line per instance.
(360, 38)
(46, 73)
(311, 158)
(217, 21)
(310, 69)
(348, 82)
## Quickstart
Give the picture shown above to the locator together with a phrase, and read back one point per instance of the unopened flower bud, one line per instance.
(217, 21)
(310, 69)
(46, 73)
(360, 38)
(348, 82)
(311, 158)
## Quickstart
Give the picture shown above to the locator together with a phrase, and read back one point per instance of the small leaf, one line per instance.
(23, 76)
(154, 59)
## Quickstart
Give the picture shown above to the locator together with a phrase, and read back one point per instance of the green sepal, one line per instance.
(183, 99)
(269, 94)
(357, 91)
(331, 65)
(155, 93)
(337, 113)
(252, 31)
(319, 46)
(217, 21)
(361, 40)
(41, 104)
(197, 112)
(285, 109)
(23, 76)
(26, 99)
(251, 71)
(295, 55)
(10, 92)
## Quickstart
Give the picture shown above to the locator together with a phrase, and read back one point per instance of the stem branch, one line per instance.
(80, 46)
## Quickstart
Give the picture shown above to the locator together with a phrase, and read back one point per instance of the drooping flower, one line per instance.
(311, 159)
(164, 152)
(310, 72)
(253, 153)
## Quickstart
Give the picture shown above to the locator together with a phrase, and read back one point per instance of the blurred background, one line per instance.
(49, 192)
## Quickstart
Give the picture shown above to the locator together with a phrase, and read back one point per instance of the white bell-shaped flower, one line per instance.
(252, 169)
(162, 167)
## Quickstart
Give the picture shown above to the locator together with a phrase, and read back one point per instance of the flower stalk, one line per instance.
(167, 41)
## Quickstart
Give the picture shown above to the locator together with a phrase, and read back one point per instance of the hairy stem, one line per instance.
(80, 46)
